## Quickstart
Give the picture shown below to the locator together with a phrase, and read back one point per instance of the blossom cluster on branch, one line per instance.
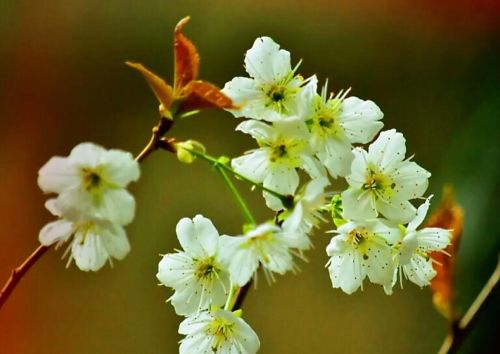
(374, 221)
(92, 203)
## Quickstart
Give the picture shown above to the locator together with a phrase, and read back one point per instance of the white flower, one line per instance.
(271, 93)
(413, 254)
(91, 183)
(336, 123)
(306, 213)
(94, 241)
(381, 181)
(197, 274)
(266, 244)
(217, 332)
(283, 148)
(361, 249)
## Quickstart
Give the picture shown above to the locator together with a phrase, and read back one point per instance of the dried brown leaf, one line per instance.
(449, 215)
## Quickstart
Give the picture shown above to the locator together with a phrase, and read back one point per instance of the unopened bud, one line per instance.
(185, 149)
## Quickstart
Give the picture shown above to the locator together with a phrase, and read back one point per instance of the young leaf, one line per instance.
(161, 89)
(187, 60)
(202, 95)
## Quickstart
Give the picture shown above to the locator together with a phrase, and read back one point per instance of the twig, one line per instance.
(18, 273)
(461, 328)
(158, 132)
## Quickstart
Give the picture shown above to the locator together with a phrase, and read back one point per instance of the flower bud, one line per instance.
(185, 149)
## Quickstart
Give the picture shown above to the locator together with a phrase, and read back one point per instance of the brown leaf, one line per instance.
(449, 215)
(161, 89)
(202, 95)
(187, 60)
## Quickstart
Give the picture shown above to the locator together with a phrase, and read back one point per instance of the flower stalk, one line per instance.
(287, 200)
(237, 196)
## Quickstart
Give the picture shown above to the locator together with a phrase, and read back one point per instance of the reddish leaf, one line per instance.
(187, 60)
(202, 95)
(161, 89)
(449, 215)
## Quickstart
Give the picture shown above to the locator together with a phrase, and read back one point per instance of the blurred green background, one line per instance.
(433, 68)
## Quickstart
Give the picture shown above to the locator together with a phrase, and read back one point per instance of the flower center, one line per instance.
(222, 330)
(286, 151)
(324, 122)
(357, 236)
(206, 269)
(259, 244)
(378, 183)
(277, 93)
(92, 180)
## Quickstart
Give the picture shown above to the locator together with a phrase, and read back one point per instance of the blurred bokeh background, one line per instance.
(432, 66)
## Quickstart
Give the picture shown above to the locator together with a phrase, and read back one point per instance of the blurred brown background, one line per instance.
(433, 68)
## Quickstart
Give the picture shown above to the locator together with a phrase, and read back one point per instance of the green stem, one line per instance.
(287, 200)
(237, 196)
(231, 298)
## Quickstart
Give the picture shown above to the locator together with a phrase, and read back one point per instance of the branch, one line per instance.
(18, 273)
(461, 328)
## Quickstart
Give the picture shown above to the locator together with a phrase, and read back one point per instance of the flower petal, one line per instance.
(198, 237)
(258, 130)
(388, 150)
(87, 155)
(360, 119)
(359, 167)
(358, 205)
(398, 212)
(58, 175)
(379, 265)
(282, 179)
(241, 262)
(433, 239)
(421, 213)
(410, 180)
(117, 206)
(266, 62)
(253, 165)
(313, 167)
(120, 167)
(247, 96)
(56, 231)
(346, 271)
(115, 241)
(88, 251)
(419, 271)
(337, 157)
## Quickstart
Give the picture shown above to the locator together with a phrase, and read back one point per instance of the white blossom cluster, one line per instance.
(297, 128)
(92, 203)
